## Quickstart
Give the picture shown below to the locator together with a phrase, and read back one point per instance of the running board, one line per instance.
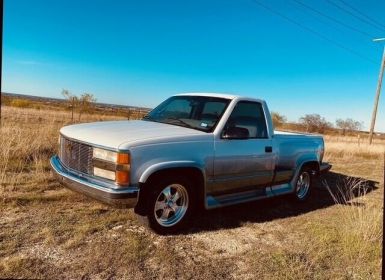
(247, 196)
(230, 199)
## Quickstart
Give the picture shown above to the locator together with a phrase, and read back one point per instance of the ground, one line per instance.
(49, 232)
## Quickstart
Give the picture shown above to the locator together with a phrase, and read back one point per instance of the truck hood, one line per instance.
(126, 134)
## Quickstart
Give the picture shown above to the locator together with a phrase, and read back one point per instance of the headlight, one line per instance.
(112, 166)
(104, 173)
(105, 155)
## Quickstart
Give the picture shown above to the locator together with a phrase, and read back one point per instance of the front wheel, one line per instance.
(303, 185)
(170, 205)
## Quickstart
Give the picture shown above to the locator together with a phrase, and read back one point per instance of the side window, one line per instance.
(248, 115)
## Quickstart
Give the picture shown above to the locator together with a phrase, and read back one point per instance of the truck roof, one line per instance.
(219, 95)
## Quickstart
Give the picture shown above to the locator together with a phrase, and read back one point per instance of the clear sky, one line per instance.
(140, 52)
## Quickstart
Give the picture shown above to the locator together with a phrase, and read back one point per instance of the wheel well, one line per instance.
(191, 173)
(313, 165)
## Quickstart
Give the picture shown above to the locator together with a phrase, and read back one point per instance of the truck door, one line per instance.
(244, 157)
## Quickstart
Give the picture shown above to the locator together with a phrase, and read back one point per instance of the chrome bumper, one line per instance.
(124, 197)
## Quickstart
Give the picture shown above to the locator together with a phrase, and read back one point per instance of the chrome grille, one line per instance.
(76, 156)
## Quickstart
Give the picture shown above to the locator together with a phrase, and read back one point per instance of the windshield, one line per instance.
(197, 112)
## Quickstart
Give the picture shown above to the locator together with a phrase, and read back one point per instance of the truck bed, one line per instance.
(293, 148)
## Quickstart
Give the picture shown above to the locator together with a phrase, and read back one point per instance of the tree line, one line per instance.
(317, 123)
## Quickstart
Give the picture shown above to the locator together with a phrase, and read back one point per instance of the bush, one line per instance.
(348, 125)
(20, 103)
(278, 119)
(5, 100)
(315, 123)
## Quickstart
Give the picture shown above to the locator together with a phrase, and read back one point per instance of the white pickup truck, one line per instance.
(192, 151)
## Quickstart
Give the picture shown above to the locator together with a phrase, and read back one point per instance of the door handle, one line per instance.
(268, 149)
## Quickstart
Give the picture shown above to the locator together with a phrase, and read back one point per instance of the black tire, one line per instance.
(303, 185)
(174, 214)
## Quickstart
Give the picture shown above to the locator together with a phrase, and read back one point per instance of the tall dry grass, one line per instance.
(28, 137)
(25, 149)
(351, 147)
(360, 227)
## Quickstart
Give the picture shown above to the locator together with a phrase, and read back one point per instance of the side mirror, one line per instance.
(236, 133)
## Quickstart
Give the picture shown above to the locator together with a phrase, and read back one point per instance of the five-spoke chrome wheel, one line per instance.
(303, 185)
(171, 205)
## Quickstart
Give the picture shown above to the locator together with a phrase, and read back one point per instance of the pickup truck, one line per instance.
(193, 151)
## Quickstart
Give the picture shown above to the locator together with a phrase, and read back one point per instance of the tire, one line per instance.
(303, 185)
(170, 205)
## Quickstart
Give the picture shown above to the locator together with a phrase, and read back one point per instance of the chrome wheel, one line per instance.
(303, 185)
(171, 205)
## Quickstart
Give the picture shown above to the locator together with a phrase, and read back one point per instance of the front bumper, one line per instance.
(123, 197)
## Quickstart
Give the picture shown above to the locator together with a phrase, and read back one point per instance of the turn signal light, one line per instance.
(122, 178)
(123, 158)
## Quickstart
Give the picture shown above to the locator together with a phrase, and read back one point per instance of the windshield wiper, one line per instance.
(183, 123)
(149, 118)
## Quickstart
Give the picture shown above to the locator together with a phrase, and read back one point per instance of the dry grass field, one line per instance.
(49, 232)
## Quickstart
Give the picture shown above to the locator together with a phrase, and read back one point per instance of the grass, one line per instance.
(49, 232)
(353, 148)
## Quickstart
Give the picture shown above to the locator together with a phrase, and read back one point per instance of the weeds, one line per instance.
(360, 226)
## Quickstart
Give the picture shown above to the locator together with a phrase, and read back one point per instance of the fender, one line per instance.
(168, 165)
(300, 163)
(140, 208)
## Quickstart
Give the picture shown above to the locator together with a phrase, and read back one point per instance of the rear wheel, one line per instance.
(303, 184)
(170, 205)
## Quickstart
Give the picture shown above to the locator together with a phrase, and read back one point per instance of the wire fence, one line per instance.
(14, 115)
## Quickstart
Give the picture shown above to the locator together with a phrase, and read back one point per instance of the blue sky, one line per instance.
(140, 52)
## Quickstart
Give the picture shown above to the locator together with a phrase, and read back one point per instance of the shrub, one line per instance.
(5, 100)
(20, 103)
(348, 125)
(315, 123)
(278, 119)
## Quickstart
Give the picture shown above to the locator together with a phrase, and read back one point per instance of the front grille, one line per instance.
(76, 156)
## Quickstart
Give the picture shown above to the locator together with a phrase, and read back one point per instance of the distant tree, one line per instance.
(278, 119)
(72, 101)
(315, 123)
(86, 103)
(348, 125)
